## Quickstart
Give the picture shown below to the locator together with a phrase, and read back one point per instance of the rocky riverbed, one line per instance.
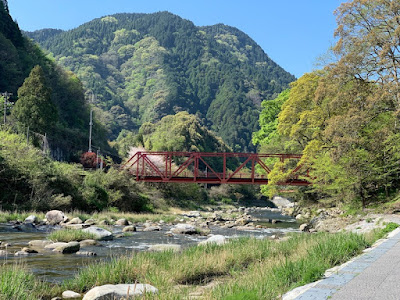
(27, 240)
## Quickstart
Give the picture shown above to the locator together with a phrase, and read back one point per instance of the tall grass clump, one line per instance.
(69, 235)
(18, 284)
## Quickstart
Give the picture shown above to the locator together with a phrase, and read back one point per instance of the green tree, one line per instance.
(34, 107)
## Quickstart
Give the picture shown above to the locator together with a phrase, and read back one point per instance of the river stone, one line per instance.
(75, 226)
(75, 221)
(184, 229)
(29, 250)
(104, 222)
(86, 253)
(90, 222)
(152, 228)
(54, 217)
(3, 253)
(119, 291)
(71, 295)
(55, 245)
(165, 247)
(122, 222)
(21, 253)
(100, 233)
(304, 227)
(39, 243)
(215, 239)
(129, 228)
(31, 219)
(71, 247)
(86, 243)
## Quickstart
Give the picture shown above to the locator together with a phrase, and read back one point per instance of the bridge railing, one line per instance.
(206, 167)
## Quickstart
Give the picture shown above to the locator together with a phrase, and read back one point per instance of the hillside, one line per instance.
(143, 67)
(18, 56)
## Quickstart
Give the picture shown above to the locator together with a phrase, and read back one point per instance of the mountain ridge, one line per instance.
(143, 67)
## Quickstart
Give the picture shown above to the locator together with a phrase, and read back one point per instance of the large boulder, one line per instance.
(119, 291)
(184, 229)
(215, 239)
(54, 217)
(71, 247)
(165, 247)
(100, 233)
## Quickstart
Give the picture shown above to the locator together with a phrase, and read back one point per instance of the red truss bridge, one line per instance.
(213, 168)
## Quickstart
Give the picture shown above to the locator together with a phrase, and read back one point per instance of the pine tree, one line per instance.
(34, 107)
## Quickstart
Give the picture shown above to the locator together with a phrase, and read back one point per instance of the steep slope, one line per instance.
(18, 56)
(143, 67)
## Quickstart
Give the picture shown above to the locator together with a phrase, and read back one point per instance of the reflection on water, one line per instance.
(57, 267)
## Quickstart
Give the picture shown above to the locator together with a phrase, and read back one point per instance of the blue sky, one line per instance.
(294, 33)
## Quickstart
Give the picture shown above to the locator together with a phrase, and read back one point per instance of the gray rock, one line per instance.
(31, 219)
(152, 228)
(71, 295)
(54, 217)
(119, 291)
(3, 253)
(215, 239)
(86, 243)
(104, 222)
(39, 243)
(56, 298)
(129, 228)
(304, 227)
(21, 253)
(192, 214)
(122, 222)
(90, 222)
(75, 226)
(75, 221)
(165, 247)
(55, 245)
(71, 247)
(99, 233)
(184, 229)
(86, 253)
(29, 250)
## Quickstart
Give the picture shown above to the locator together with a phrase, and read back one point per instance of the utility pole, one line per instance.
(6, 96)
(91, 125)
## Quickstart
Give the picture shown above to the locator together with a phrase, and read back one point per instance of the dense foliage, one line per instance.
(344, 118)
(61, 90)
(143, 67)
(30, 180)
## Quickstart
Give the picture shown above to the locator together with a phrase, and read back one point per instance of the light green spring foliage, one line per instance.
(343, 119)
(181, 132)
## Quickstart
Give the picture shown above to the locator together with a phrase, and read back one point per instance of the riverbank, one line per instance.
(249, 268)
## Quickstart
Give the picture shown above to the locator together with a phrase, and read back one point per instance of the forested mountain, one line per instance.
(70, 116)
(143, 67)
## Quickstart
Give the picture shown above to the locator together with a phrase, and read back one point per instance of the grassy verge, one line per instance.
(69, 235)
(247, 268)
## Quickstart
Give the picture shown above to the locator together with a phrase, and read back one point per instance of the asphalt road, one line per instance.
(375, 275)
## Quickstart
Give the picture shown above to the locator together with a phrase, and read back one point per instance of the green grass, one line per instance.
(7, 216)
(247, 268)
(16, 283)
(68, 235)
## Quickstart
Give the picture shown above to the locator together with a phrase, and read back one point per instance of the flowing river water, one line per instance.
(57, 267)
